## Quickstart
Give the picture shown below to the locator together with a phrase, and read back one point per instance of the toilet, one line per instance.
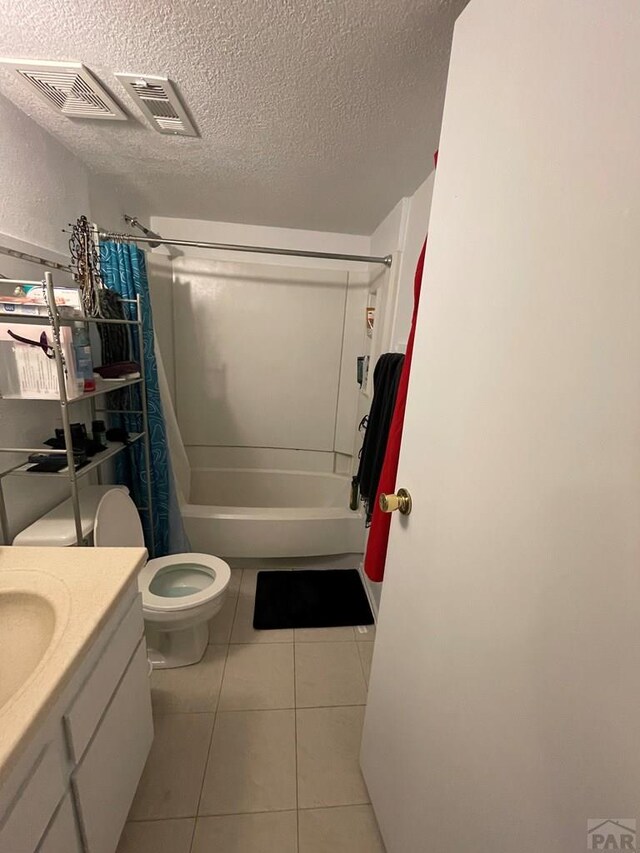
(180, 593)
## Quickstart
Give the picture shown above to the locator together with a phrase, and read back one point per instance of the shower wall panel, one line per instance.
(257, 354)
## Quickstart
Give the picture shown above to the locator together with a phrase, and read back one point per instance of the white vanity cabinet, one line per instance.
(71, 790)
(106, 779)
(63, 832)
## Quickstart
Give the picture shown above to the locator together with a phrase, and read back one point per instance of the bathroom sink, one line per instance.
(31, 607)
(54, 602)
(27, 626)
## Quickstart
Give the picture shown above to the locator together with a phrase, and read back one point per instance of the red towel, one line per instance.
(376, 553)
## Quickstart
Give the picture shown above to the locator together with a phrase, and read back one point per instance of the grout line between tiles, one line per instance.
(217, 710)
(335, 806)
(213, 727)
(257, 710)
(233, 814)
(262, 811)
(262, 645)
(364, 674)
(295, 742)
(225, 814)
(331, 707)
(260, 642)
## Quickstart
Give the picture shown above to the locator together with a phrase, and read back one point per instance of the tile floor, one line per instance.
(256, 747)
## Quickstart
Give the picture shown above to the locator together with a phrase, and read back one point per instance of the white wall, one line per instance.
(403, 231)
(109, 199)
(416, 223)
(28, 424)
(387, 238)
(42, 185)
(259, 235)
(401, 234)
(42, 188)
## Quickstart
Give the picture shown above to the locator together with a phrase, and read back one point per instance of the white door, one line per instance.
(504, 708)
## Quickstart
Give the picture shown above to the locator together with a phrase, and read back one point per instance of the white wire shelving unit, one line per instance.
(66, 403)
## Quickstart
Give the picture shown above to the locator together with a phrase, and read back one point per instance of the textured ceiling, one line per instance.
(313, 114)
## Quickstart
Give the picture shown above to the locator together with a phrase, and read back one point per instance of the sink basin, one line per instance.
(34, 610)
(54, 604)
(27, 627)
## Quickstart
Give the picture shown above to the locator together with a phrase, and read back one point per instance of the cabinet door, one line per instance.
(62, 834)
(106, 780)
(24, 825)
(81, 720)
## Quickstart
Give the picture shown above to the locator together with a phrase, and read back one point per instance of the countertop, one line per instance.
(83, 585)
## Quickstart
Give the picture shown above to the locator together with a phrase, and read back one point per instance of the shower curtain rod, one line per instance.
(262, 250)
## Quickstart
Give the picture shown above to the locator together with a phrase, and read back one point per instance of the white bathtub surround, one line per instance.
(265, 403)
(161, 270)
(258, 353)
(267, 513)
(266, 458)
(262, 355)
(278, 338)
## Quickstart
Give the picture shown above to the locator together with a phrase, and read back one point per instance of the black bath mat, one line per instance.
(316, 598)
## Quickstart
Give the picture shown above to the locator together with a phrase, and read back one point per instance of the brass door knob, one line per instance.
(401, 501)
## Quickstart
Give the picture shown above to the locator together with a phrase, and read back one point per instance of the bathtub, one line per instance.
(259, 513)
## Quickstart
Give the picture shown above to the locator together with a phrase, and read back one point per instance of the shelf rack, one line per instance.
(73, 474)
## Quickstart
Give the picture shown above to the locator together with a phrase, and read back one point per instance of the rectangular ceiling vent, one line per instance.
(159, 101)
(69, 87)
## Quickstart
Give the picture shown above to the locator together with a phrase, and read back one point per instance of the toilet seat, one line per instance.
(217, 572)
(117, 525)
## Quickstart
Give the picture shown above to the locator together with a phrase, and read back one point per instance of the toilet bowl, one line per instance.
(180, 593)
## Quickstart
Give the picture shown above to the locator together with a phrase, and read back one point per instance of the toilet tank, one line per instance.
(57, 527)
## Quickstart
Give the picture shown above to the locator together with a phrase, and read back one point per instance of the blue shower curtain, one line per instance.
(124, 270)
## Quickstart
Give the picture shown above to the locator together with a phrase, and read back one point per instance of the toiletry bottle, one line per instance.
(99, 432)
(84, 362)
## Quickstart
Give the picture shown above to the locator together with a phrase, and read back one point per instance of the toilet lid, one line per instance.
(117, 523)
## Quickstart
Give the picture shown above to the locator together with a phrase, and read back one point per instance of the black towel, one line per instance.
(386, 377)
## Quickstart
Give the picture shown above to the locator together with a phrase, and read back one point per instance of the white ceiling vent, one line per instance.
(160, 102)
(67, 86)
